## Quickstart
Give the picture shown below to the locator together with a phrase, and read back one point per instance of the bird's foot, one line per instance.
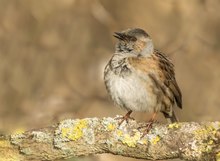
(125, 118)
(148, 125)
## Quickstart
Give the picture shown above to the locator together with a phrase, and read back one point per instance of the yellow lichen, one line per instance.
(19, 131)
(211, 129)
(155, 140)
(218, 156)
(209, 133)
(206, 131)
(119, 132)
(210, 142)
(111, 127)
(65, 132)
(201, 131)
(131, 141)
(174, 125)
(76, 132)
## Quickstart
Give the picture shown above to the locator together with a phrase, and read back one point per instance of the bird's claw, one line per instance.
(148, 127)
(124, 118)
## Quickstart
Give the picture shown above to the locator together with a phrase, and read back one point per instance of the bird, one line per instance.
(139, 77)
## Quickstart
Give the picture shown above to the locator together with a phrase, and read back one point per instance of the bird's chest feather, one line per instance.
(127, 86)
(130, 92)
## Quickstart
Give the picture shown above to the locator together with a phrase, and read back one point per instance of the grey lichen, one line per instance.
(17, 138)
(41, 136)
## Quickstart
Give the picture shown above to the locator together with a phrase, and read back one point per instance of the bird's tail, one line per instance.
(171, 118)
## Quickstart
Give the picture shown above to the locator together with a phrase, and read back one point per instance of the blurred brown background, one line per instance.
(52, 55)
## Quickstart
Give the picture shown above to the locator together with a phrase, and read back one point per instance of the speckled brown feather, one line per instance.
(160, 65)
(169, 80)
(160, 69)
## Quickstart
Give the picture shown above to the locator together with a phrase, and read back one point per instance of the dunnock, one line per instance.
(141, 78)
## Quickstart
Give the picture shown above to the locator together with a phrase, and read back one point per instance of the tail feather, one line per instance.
(171, 118)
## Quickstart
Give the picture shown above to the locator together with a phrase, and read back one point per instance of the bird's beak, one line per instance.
(119, 35)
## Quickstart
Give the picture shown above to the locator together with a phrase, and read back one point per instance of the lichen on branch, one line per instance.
(82, 137)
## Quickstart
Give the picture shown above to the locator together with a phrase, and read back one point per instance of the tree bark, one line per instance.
(82, 137)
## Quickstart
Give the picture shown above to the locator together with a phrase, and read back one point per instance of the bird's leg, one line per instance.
(149, 124)
(125, 117)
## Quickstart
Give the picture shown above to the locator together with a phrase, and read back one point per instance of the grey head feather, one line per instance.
(129, 38)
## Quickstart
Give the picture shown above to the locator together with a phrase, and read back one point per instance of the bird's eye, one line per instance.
(133, 38)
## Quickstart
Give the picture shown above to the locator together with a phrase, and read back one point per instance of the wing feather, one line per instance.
(170, 82)
(161, 70)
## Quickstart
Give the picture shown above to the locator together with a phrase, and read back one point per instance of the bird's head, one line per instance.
(134, 41)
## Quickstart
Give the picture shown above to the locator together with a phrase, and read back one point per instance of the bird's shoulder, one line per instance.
(155, 63)
(143, 64)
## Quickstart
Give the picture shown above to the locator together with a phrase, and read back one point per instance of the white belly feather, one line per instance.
(131, 92)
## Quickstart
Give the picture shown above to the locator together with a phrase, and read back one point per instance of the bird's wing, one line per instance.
(160, 69)
(167, 68)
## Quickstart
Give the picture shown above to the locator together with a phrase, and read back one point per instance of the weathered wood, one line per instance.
(82, 137)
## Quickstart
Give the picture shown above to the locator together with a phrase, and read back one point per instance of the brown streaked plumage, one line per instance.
(141, 78)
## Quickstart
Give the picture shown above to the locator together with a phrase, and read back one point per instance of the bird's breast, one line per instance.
(130, 91)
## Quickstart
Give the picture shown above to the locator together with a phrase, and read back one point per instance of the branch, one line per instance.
(74, 138)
